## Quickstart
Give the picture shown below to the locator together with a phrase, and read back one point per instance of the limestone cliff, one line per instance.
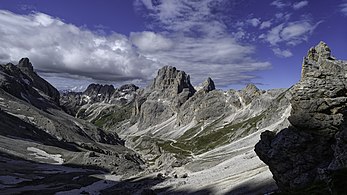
(313, 148)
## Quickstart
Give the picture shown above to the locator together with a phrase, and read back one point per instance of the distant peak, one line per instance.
(171, 79)
(25, 63)
(98, 88)
(251, 87)
(208, 85)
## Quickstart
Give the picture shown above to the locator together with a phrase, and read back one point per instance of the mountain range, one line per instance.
(173, 138)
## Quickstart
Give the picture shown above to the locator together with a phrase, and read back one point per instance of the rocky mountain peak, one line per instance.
(173, 80)
(319, 51)
(208, 85)
(37, 82)
(249, 93)
(25, 63)
(317, 60)
(94, 89)
(251, 88)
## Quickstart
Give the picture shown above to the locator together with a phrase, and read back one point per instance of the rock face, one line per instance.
(26, 67)
(96, 94)
(314, 146)
(22, 82)
(162, 99)
(208, 85)
(99, 92)
(30, 117)
(249, 93)
(172, 82)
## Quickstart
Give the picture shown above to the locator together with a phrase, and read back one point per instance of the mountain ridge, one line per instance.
(180, 136)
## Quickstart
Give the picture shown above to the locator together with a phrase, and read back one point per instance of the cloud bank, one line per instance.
(57, 47)
(61, 50)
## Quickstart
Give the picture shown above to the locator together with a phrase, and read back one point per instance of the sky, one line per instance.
(73, 43)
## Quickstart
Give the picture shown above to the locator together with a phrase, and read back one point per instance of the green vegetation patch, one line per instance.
(112, 117)
(168, 146)
(211, 137)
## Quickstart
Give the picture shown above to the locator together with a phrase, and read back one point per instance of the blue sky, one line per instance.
(75, 42)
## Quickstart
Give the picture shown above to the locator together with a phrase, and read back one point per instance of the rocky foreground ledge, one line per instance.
(310, 156)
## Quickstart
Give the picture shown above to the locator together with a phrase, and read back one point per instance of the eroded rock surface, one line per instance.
(314, 145)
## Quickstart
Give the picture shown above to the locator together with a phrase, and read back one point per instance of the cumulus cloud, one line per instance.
(300, 5)
(343, 7)
(282, 53)
(57, 47)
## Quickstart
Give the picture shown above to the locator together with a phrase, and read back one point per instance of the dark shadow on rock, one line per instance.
(143, 186)
(41, 178)
(253, 189)
(14, 127)
(46, 178)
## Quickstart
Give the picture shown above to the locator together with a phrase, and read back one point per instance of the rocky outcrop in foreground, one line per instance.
(312, 152)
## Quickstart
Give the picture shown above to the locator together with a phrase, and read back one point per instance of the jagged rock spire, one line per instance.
(208, 85)
(171, 80)
(314, 59)
(25, 63)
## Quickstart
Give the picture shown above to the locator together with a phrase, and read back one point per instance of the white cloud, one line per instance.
(147, 3)
(150, 42)
(283, 16)
(296, 32)
(282, 53)
(343, 7)
(279, 4)
(223, 59)
(186, 16)
(203, 46)
(266, 24)
(300, 5)
(273, 36)
(60, 50)
(292, 33)
(254, 22)
(57, 47)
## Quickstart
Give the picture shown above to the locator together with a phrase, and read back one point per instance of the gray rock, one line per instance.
(249, 93)
(77, 103)
(162, 99)
(315, 141)
(22, 82)
(172, 82)
(208, 85)
(39, 83)
(99, 93)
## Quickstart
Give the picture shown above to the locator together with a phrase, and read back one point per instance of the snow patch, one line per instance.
(40, 154)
